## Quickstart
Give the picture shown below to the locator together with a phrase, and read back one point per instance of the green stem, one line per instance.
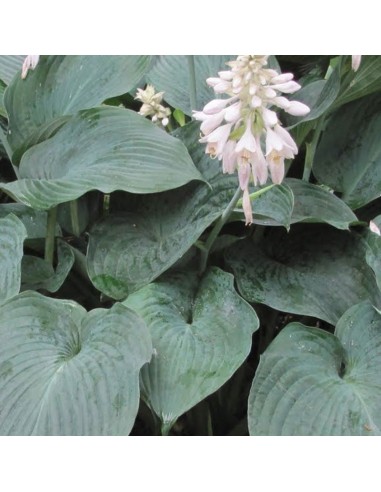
(192, 82)
(74, 218)
(217, 228)
(165, 428)
(311, 149)
(50, 235)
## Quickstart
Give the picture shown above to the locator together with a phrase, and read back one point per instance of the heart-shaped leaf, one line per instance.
(201, 334)
(316, 271)
(37, 273)
(67, 372)
(310, 382)
(348, 156)
(63, 85)
(106, 149)
(132, 247)
(12, 235)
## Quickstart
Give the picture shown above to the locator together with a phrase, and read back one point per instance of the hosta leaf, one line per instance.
(63, 85)
(130, 249)
(314, 204)
(12, 235)
(105, 149)
(171, 75)
(39, 274)
(274, 207)
(201, 334)
(315, 271)
(310, 382)
(365, 81)
(2, 107)
(68, 372)
(9, 66)
(349, 154)
(319, 96)
(33, 220)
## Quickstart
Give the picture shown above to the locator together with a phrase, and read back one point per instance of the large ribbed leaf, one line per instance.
(2, 107)
(105, 149)
(348, 158)
(37, 273)
(319, 96)
(274, 207)
(365, 81)
(310, 382)
(201, 334)
(315, 271)
(67, 372)
(33, 220)
(12, 235)
(9, 66)
(131, 248)
(314, 204)
(62, 85)
(171, 74)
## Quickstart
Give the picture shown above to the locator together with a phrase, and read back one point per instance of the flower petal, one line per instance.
(297, 108)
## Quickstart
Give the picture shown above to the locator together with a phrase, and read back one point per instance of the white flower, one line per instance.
(236, 128)
(152, 105)
(373, 227)
(356, 60)
(30, 63)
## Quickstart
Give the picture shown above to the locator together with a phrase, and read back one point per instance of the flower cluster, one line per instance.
(242, 130)
(30, 63)
(152, 105)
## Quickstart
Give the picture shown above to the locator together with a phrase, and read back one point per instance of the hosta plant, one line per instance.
(190, 245)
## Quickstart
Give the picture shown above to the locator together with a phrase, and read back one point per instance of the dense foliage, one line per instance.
(134, 296)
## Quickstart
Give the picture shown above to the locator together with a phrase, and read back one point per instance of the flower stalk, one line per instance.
(217, 228)
(50, 235)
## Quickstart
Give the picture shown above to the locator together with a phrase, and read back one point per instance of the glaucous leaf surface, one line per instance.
(319, 96)
(366, 80)
(314, 271)
(68, 372)
(2, 107)
(33, 220)
(130, 248)
(63, 85)
(201, 334)
(106, 149)
(310, 382)
(348, 156)
(314, 204)
(36, 273)
(170, 73)
(12, 235)
(9, 66)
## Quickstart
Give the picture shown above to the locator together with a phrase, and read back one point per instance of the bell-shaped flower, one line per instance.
(30, 63)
